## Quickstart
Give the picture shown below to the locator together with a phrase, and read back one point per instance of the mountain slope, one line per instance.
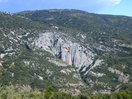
(70, 49)
(24, 65)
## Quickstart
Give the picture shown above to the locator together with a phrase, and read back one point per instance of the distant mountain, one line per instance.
(73, 50)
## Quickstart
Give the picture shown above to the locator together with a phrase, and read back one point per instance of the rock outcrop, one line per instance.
(69, 52)
(121, 76)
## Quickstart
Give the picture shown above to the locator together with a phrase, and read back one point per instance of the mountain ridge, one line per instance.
(30, 50)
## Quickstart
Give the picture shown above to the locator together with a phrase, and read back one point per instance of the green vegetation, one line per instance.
(95, 27)
(24, 66)
(10, 92)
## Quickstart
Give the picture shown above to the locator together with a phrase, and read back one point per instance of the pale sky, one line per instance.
(115, 7)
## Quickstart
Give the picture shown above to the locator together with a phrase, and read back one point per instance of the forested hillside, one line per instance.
(81, 55)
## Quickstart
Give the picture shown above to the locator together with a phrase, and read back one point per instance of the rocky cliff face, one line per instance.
(71, 53)
(71, 56)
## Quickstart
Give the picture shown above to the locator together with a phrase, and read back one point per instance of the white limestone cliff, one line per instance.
(69, 52)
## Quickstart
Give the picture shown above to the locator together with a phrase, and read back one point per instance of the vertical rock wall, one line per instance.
(71, 53)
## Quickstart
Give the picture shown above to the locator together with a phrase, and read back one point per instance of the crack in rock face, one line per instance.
(69, 52)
